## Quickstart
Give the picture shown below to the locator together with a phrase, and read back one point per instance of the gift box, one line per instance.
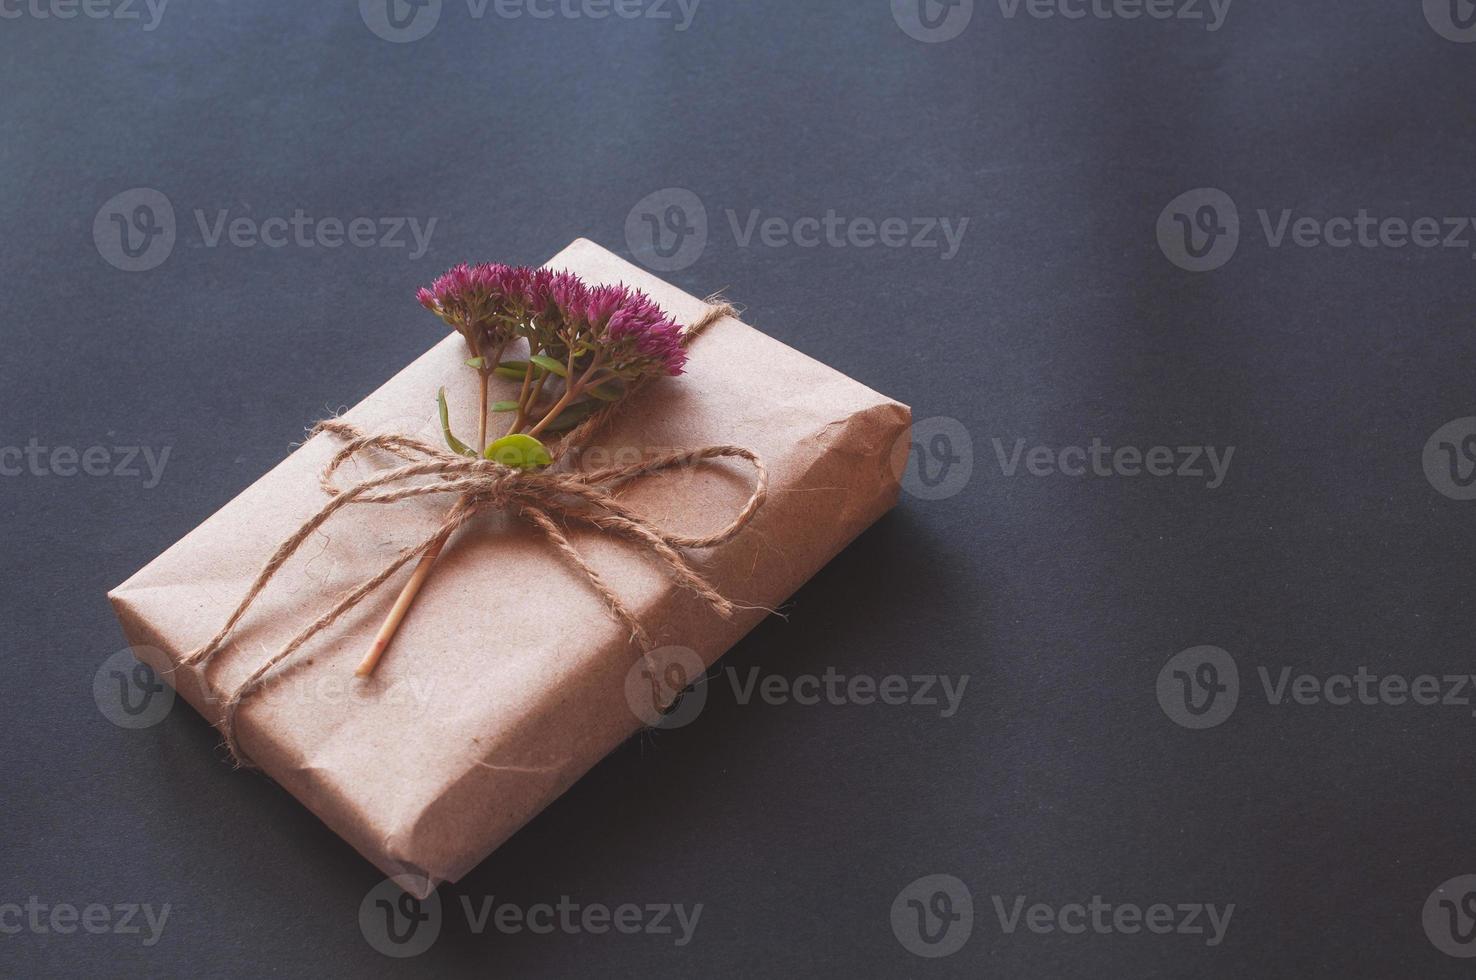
(509, 677)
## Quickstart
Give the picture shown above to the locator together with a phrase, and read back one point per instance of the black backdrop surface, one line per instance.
(1070, 312)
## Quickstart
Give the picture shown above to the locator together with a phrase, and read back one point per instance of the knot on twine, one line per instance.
(545, 498)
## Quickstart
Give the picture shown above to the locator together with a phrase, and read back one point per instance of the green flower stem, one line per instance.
(570, 394)
(522, 416)
(486, 377)
(537, 393)
(573, 391)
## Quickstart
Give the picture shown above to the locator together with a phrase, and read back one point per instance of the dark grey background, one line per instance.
(1059, 320)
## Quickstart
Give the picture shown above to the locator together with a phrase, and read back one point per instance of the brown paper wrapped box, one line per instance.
(508, 680)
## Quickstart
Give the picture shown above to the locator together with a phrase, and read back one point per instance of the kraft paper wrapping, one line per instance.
(508, 680)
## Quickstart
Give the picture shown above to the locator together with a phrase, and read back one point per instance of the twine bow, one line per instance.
(485, 485)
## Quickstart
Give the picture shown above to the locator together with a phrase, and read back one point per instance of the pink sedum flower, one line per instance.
(475, 301)
(601, 340)
(641, 337)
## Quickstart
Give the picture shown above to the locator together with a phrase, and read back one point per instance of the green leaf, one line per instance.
(457, 446)
(520, 452)
(515, 370)
(503, 407)
(606, 393)
(480, 363)
(573, 415)
(549, 364)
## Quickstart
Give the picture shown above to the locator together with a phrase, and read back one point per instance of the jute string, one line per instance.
(548, 499)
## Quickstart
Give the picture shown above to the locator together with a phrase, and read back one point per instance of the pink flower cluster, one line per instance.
(474, 300)
(558, 312)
